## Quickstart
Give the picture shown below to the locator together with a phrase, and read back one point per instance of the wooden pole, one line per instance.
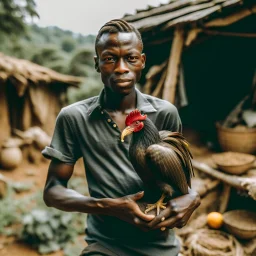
(5, 127)
(171, 80)
(228, 20)
(247, 184)
(3, 186)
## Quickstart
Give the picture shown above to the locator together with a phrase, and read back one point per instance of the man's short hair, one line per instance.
(116, 26)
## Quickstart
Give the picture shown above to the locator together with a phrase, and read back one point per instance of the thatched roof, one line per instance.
(178, 24)
(22, 73)
(180, 12)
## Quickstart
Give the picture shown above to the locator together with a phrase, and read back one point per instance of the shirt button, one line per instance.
(114, 125)
(109, 120)
(102, 112)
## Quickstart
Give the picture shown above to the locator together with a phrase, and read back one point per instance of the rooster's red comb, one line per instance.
(133, 116)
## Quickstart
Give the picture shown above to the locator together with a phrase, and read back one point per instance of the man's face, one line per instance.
(120, 61)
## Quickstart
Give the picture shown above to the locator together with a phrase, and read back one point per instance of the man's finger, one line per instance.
(141, 224)
(138, 196)
(160, 218)
(144, 216)
(171, 222)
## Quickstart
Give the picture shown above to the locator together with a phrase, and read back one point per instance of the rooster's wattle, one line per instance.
(161, 159)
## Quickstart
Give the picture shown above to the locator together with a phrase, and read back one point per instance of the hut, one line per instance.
(200, 56)
(30, 95)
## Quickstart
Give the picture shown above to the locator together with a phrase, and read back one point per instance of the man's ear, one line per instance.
(96, 60)
(143, 56)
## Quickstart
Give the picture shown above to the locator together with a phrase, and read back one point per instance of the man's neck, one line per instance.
(117, 102)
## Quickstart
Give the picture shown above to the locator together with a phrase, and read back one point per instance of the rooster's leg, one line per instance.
(158, 205)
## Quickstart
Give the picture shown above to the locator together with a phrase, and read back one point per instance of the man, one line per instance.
(91, 129)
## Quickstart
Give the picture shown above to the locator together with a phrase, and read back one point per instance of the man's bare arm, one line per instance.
(56, 194)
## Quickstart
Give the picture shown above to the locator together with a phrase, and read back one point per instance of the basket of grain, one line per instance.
(233, 162)
(238, 139)
(240, 223)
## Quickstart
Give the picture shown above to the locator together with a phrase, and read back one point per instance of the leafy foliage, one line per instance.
(9, 214)
(48, 230)
(68, 44)
(11, 209)
(73, 249)
(91, 87)
(13, 14)
(60, 50)
(82, 63)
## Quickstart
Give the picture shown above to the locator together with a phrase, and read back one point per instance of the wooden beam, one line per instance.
(241, 183)
(4, 115)
(3, 186)
(228, 20)
(192, 35)
(159, 87)
(230, 34)
(171, 80)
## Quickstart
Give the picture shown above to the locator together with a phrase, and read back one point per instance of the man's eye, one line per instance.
(132, 58)
(109, 59)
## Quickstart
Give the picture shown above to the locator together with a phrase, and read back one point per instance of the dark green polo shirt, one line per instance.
(84, 129)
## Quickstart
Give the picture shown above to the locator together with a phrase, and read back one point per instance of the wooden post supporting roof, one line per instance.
(173, 65)
(5, 127)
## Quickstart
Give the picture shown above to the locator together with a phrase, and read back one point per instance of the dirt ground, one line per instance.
(31, 173)
(36, 174)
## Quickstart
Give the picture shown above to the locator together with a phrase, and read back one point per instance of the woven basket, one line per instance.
(240, 223)
(231, 139)
(233, 162)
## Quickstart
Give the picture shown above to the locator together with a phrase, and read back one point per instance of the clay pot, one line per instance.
(10, 157)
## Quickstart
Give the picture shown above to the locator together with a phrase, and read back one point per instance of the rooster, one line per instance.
(161, 159)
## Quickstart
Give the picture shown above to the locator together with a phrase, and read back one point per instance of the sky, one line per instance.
(86, 16)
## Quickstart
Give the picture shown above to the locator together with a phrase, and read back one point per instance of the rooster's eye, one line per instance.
(137, 122)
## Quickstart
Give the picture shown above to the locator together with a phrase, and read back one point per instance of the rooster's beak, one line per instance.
(128, 130)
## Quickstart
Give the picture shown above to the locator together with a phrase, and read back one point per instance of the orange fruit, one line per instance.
(215, 220)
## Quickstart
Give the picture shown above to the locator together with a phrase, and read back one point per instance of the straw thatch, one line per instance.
(180, 12)
(167, 30)
(30, 95)
(21, 73)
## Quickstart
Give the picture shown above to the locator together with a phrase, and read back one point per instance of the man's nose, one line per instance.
(121, 67)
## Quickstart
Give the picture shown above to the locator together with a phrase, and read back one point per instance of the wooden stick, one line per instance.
(151, 76)
(225, 21)
(225, 195)
(247, 184)
(3, 185)
(173, 65)
(158, 89)
(231, 34)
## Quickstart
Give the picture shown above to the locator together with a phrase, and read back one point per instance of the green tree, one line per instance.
(51, 57)
(68, 44)
(47, 54)
(82, 64)
(13, 14)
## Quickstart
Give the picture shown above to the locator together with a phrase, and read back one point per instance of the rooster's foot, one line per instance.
(158, 205)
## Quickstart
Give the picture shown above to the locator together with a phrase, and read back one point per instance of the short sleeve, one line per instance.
(172, 120)
(64, 146)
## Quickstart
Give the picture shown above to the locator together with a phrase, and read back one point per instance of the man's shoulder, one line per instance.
(79, 107)
(160, 104)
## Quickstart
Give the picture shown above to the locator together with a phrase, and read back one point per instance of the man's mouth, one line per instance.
(122, 82)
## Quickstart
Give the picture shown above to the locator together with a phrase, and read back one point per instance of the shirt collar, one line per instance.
(142, 103)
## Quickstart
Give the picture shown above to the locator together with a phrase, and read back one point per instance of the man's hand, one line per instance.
(177, 212)
(127, 209)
